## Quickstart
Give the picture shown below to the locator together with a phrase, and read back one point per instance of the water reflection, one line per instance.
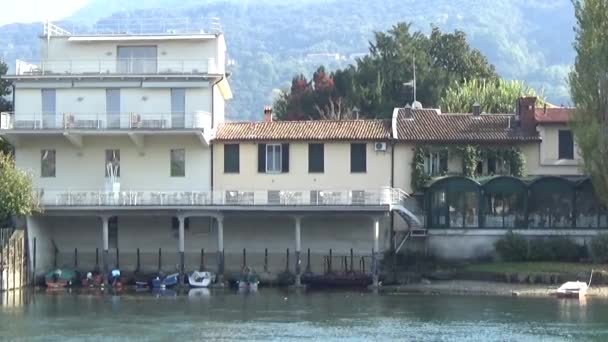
(272, 314)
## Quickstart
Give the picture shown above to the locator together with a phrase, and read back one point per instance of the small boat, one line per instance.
(114, 279)
(574, 289)
(201, 279)
(93, 279)
(162, 282)
(60, 278)
(249, 279)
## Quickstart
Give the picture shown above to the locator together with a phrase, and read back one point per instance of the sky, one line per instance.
(24, 11)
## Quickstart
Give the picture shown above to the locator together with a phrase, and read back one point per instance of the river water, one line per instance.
(279, 315)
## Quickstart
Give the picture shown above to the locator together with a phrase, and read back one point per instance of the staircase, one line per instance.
(416, 228)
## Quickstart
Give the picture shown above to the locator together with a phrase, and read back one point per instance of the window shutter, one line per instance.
(262, 158)
(443, 162)
(285, 158)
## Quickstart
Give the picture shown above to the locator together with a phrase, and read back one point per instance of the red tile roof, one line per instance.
(553, 115)
(305, 130)
(431, 126)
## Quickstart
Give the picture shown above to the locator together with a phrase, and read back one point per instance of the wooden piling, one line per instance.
(160, 259)
(1, 262)
(287, 261)
(244, 258)
(34, 263)
(329, 261)
(75, 258)
(138, 269)
(117, 259)
(202, 266)
(14, 261)
(308, 261)
(266, 260)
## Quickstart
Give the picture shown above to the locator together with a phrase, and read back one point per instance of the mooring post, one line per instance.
(181, 248)
(55, 252)
(308, 269)
(160, 260)
(117, 259)
(1, 261)
(33, 263)
(202, 266)
(14, 262)
(287, 260)
(352, 260)
(96, 259)
(75, 257)
(244, 258)
(220, 249)
(137, 268)
(374, 251)
(329, 261)
(266, 260)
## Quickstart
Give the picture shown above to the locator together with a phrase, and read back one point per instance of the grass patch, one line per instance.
(536, 267)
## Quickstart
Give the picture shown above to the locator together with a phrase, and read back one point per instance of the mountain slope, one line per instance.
(271, 41)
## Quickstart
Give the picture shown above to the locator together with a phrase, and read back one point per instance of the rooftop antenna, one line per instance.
(412, 83)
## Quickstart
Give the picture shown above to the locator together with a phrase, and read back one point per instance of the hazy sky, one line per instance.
(25, 11)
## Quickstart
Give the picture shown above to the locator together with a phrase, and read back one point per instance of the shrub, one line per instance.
(599, 248)
(512, 247)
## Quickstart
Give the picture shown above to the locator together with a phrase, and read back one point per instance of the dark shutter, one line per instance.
(566, 145)
(316, 158)
(285, 158)
(443, 162)
(231, 158)
(262, 158)
(358, 158)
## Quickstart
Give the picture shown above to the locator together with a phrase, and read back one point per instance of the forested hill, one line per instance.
(270, 41)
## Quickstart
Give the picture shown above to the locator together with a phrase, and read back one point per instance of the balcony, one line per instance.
(105, 121)
(109, 67)
(218, 198)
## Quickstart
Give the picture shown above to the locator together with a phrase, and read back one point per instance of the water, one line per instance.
(282, 315)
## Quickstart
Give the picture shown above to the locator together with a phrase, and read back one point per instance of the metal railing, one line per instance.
(113, 66)
(131, 26)
(104, 121)
(136, 198)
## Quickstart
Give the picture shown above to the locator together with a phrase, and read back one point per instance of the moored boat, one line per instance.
(161, 281)
(248, 280)
(201, 279)
(60, 278)
(572, 289)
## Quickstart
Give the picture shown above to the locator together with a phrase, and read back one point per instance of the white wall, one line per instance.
(337, 173)
(85, 168)
(542, 159)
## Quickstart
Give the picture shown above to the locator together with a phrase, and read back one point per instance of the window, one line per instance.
(113, 108)
(316, 158)
(178, 163)
(48, 108)
(231, 158)
(178, 108)
(273, 158)
(113, 232)
(137, 59)
(358, 158)
(112, 164)
(47, 163)
(566, 145)
(436, 163)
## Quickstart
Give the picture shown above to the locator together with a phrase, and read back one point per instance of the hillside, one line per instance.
(270, 41)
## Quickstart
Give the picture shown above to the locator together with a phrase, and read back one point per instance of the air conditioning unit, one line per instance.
(380, 146)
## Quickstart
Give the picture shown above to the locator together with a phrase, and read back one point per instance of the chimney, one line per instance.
(526, 106)
(476, 109)
(267, 113)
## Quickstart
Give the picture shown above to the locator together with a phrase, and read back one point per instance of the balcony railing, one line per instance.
(137, 198)
(136, 26)
(104, 121)
(131, 66)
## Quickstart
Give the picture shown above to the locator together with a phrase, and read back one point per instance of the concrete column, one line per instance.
(220, 249)
(375, 252)
(105, 246)
(298, 251)
(180, 247)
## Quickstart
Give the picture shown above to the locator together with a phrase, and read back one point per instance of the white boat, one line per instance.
(201, 279)
(249, 279)
(573, 289)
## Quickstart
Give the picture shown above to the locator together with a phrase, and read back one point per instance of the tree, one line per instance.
(5, 89)
(16, 192)
(589, 90)
(376, 83)
(494, 96)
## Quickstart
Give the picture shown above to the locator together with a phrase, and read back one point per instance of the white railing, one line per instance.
(130, 26)
(113, 66)
(104, 121)
(138, 198)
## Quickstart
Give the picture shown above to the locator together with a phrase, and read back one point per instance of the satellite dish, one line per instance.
(416, 105)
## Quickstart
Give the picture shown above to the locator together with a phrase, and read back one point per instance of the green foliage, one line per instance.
(589, 90)
(375, 84)
(471, 155)
(512, 247)
(16, 193)
(5, 88)
(419, 177)
(599, 248)
(516, 248)
(494, 96)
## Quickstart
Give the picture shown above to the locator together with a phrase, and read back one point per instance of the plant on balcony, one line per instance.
(471, 155)
(16, 193)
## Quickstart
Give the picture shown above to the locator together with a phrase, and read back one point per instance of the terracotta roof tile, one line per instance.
(305, 130)
(553, 115)
(429, 125)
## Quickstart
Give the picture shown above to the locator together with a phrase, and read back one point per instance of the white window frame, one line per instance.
(277, 163)
(432, 163)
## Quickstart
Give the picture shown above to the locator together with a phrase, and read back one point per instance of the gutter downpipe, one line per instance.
(212, 128)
